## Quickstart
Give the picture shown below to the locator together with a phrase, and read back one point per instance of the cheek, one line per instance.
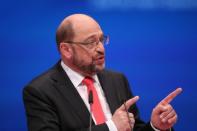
(87, 55)
(87, 58)
(83, 57)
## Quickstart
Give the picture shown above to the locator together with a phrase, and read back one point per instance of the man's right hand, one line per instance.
(120, 117)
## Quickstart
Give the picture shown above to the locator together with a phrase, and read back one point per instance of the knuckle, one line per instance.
(131, 115)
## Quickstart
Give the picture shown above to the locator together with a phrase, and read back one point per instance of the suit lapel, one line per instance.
(68, 91)
(109, 91)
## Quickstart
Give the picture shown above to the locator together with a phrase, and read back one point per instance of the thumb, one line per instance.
(129, 103)
(160, 108)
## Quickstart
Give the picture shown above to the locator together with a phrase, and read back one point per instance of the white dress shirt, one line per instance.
(77, 79)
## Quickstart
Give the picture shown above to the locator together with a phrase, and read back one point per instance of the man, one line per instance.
(58, 99)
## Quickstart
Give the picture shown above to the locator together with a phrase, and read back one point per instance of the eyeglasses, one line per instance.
(93, 43)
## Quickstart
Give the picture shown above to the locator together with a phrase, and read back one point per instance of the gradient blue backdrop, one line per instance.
(153, 42)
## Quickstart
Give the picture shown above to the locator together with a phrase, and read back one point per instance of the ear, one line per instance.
(65, 50)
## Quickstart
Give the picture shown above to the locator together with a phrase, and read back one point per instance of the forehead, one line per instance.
(85, 27)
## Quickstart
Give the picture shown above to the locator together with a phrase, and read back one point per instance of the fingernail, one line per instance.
(137, 97)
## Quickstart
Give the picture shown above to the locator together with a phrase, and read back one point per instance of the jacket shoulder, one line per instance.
(43, 80)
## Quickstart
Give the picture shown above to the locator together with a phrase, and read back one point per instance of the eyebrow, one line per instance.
(92, 36)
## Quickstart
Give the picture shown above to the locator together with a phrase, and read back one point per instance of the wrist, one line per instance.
(156, 129)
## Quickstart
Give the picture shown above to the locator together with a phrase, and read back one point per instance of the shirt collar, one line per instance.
(74, 76)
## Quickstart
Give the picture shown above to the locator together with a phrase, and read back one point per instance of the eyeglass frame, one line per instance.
(105, 41)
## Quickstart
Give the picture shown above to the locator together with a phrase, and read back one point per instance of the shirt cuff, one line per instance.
(157, 129)
(111, 125)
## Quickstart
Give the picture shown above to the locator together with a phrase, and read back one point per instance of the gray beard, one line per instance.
(87, 69)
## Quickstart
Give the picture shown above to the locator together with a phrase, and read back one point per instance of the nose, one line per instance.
(100, 48)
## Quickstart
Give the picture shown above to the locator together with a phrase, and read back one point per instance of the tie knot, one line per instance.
(88, 80)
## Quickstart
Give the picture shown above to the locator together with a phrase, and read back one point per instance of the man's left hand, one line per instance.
(163, 115)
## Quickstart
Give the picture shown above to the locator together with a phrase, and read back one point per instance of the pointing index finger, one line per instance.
(129, 103)
(171, 96)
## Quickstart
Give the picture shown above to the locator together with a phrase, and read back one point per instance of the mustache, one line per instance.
(99, 56)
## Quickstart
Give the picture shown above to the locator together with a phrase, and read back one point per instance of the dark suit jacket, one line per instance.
(53, 104)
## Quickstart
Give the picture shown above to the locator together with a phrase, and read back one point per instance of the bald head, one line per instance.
(75, 25)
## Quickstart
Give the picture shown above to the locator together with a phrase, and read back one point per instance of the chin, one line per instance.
(99, 68)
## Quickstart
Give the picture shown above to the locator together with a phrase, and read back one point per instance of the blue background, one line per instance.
(154, 43)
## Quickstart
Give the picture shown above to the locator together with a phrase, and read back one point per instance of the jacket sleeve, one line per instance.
(42, 114)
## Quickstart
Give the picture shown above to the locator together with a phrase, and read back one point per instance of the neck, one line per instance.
(83, 72)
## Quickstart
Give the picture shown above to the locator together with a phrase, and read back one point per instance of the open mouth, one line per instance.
(100, 60)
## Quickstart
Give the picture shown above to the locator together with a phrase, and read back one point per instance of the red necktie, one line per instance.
(96, 106)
